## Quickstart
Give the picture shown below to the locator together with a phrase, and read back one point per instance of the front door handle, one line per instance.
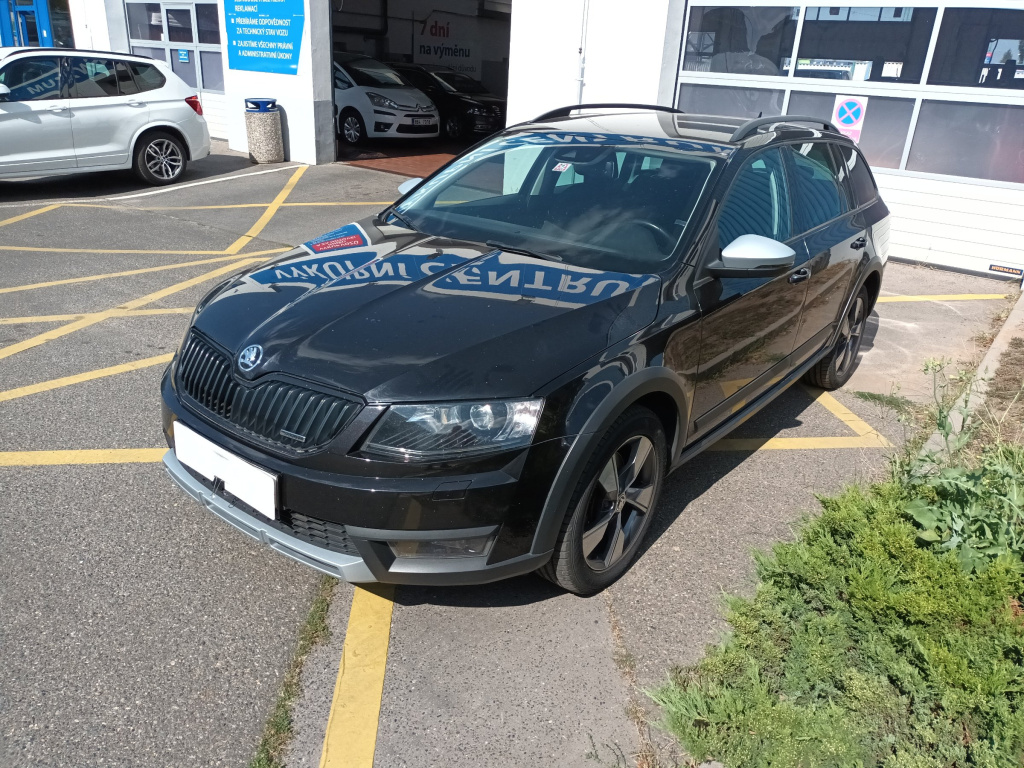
(800, 275)
(136, 103)
(859, 243)
(56, 107)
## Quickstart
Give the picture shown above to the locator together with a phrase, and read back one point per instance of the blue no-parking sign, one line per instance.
(848, 115)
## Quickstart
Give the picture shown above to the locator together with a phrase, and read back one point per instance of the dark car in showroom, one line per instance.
(467, 108)
(495, 374)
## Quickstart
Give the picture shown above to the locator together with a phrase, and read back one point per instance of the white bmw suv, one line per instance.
(71, 111)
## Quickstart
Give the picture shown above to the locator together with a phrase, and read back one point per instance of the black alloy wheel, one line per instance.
(453, 127)
(836, 368)
(613, 506)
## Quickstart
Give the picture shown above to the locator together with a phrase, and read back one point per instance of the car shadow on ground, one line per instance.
(680, 490)
(107, 183)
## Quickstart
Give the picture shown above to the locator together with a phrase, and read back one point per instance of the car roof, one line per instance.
(10, 51)
(662, 124)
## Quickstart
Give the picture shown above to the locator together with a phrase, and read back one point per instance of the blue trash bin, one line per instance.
(263, 129)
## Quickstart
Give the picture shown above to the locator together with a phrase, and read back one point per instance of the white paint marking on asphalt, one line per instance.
(172, 188)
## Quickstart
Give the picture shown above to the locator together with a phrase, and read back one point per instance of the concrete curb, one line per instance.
(1013, 326)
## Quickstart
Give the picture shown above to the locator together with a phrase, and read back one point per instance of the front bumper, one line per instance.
(374, 562)
(399, 124)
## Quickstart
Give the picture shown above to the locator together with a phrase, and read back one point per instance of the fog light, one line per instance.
(382, 127)
(477, 546)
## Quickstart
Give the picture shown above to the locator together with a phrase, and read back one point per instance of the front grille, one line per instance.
(332, 536)
(284, 414)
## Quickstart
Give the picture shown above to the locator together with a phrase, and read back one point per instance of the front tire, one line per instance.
(453, 127)
(613, 505)
(159, 159)
(351, 127)
(836, 368)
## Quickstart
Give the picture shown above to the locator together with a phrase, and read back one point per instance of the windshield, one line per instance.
(608, 205)
(456, 81)
(369, 72)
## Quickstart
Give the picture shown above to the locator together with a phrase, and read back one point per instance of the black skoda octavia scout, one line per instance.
(495, 374)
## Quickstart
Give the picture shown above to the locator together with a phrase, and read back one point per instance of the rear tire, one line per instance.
(836, 368)
(160, 158)
(612, 507)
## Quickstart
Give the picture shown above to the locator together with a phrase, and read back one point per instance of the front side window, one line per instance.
(758, 202)
(982, 47)
(880, 44)
(607, 204)
(816, 192)
(93, 78)
(33, 79)
(742, 40)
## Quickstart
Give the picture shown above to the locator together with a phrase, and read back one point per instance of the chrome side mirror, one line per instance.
(408, 186)
(753, 256)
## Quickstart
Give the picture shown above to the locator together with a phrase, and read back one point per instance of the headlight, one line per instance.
(381, 101)
(478, 111)
(452, 430)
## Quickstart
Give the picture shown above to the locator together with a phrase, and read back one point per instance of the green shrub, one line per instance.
(978, 513)
(861, 648)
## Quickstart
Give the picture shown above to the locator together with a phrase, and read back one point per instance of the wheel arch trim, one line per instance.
(654, 380)
(167, 128)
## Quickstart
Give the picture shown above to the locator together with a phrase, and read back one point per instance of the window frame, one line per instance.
(917, 92)
(62, 74)
(165, 44)
(843, 201)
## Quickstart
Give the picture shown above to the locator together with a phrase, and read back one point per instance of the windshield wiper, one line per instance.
(522, 251)
(402, 219)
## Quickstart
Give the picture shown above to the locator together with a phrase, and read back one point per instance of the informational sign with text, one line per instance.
(848, 115)
(264, 35)
(450, 41)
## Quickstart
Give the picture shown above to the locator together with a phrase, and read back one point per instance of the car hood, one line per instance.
(482, 98)
(395, 316)
(405, 98)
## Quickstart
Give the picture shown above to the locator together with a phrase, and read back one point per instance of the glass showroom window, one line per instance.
(735, 102)
(886, 123)
(740, 40)
(981, 141)
(185, 36)
(981, 47)
(879, 44)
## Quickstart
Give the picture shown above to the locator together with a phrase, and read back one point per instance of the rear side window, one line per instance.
(816, 193)
(32, 79)
(147, 76)
(125, 81)
(861, 183)
(92, 78)
(758, 203)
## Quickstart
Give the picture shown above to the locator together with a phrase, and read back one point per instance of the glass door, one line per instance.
(179, 31)
(185, 35)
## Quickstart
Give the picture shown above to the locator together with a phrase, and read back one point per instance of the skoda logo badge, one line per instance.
(250, 357)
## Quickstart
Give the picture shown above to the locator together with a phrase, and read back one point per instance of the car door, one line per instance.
(35, 122)
(833, 235)
(106, 111)
(749, 324)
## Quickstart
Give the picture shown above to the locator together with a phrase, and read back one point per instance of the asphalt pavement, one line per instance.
(138, 630)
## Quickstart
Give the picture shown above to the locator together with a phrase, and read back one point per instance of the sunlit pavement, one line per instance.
(140, 630)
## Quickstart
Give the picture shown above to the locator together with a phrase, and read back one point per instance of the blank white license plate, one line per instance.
(423, 121)
(255, 486)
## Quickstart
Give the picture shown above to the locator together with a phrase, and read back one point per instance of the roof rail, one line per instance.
(566, 111)
(751, 126)
(55, 49)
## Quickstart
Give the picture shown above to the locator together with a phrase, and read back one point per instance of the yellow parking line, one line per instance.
(100, 456)
(873, 440)
(106, 251)
(841, 412)
(942, 297)
(29, 215)
(85, 322)
(268, 214)
(78, 378)
(130, 272)
(66, 318)
(351, 736)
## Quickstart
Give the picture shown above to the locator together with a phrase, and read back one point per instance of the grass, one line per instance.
(1003, 400)
(892, 402)
(861, 647)
(278, 729)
